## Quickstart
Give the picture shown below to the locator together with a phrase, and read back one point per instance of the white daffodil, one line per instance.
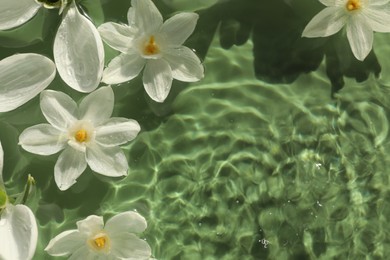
(86, 133)
(93, 240)
(22, 77)
(78, 48)
(18, 228)
(360, 18)
(157, 46)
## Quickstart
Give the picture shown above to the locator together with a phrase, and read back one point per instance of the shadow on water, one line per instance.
(280, 54)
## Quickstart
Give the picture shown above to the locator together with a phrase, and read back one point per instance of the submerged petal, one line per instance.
(69, 166)
(108, 161)
(78, 51)
(179, 27)
(360, 37)
(185, 65)
(128, 221)
(22, 77)
(18, 233)
(59, 109)
(122, 68)
(97, 107)
(117, 131)
(147, 18)
(118, 36)
(327, 22)
(14, 13)
(157, 79)
(65, 243)
(42, 139)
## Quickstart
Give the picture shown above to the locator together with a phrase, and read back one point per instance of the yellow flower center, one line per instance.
(81, 136)
(100, 242)
(151, 47)
(353, 5)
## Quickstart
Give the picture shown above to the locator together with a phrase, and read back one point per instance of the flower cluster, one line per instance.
(84, 133)
(360, 18)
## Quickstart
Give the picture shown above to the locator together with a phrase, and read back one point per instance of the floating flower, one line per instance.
(157, 46)
(78, 48)
(22, 77)
(94, 240)
(86, 133)
(18, 228)
(360, 18)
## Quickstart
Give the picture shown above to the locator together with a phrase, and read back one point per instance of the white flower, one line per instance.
(78, 48)
(157, 46)
(86, 133)
(360, 17)
(94, 240)
(22, 77)
(18, 228)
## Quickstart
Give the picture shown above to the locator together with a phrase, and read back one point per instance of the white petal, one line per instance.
(123, 68)
(14, 13)
(18, 233)
(379, 20)
(59, 109)
(179, 27)
(327, 22)
(82, 253)
(329, 2)
(126, 245)
(360, 37)
(117, 131)
(69, 166)
(378, 2)
(157, 79)
(128, 221)
(22, 77)
(42, 139)
(90, 225)
(78, 51)
(131, 17)
(147, 18)
(118, 36)
(97, 106)
(184, 63)
(108, 161)
(65, 243)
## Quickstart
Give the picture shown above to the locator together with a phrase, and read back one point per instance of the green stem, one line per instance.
(27, 188)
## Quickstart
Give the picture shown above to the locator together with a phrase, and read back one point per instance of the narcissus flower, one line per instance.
(78, 49)
(92, 239)
(360, 19)
(86, 133)
(18, 227)
(149, 43)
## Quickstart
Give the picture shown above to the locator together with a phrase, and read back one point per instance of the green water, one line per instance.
(231, 167)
